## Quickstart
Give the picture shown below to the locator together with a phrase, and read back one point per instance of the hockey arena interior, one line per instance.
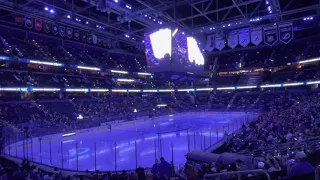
(159, 89)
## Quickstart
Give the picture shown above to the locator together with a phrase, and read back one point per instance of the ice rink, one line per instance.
(133, 144)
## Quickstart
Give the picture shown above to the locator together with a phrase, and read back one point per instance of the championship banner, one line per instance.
(233, 39)
(76, 34)
(270, 35)
(89, 38)
(28, 22)
(244, 37)
(84, 36)
(55, 29)
(99, 41)
(62, 31)
(47, 27)
(114, 44)
(38, 24)
(285, 32)
(69, 32)
(220, 43)
(105, 43)
(210, 42)
(19, 19)
(94, 39)
(109, 43)
(256, 36)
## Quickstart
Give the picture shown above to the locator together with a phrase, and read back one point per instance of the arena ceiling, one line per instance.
(128, 20)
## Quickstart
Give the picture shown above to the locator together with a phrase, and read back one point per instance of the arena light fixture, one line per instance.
(134, 90)
(68, 134)
(120, 72)
(99, 90)
(270, 85)
(4, 58)
(144, 74)
(46, 89)
(313, 82)
(166, 90)
(174, 32)
(119, 90)
(77, 90)
(150, 90)
(246, 87)
(226, 88)
(125, 80)
(161, 105)
(293, 84)
(45, 63)
(185, 90)
(88, 68)
(10, 89)
(309, 60)
(204, 89)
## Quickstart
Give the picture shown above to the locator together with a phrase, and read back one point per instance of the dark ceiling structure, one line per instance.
(128, 20)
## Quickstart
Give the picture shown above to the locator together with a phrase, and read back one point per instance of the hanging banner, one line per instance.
(94, 39)
(109, 43)
(105, 43)
(84, 36)
(210, 42)
(69, 32)
(55, 29)
(285, 32)
(244, 37)
(19, 19)
(220, 43)
(256, 36)
(47, 27)
(99, 41)
(38, 24)
(62, 31)
(114, 44)
(28, 22)
(233, 39)
(76, 34)
(89, 38)
(270, 35)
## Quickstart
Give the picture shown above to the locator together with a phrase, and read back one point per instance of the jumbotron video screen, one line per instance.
(168, 50)
(158, 50)
(186, 53)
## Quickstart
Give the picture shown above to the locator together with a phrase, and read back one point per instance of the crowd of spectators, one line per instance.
(10, 170)
(280, 137)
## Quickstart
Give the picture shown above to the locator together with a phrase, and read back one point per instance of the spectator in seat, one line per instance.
(123, 176)
(241, 166)
(300, 167)
(155, 170)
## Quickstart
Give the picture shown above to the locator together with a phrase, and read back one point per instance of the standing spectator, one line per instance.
(165, 169)
(155, 170)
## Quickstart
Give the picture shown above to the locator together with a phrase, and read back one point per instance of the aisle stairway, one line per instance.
(231, 102)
